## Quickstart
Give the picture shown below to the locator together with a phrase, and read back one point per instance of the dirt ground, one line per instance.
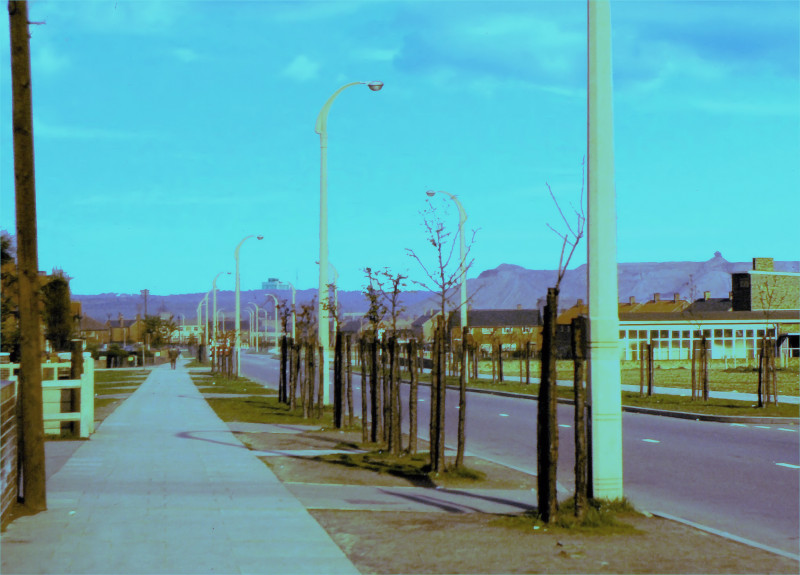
(424, 542)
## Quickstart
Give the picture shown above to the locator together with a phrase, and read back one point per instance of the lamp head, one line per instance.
(375, 86)
(430, 193)
(259, 237)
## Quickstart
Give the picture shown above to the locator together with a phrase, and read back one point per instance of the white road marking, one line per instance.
(738, 425)
(789, 465)
(785, 429)
(762, 426)
(564, 425)
(503, 415)
(651, 440)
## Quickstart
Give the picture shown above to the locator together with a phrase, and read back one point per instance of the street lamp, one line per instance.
(237, 343)
(276, 320)
(603, 345)
(321, 128)
(256, 326)
(293, 297)
(214, 289)
(462, 218)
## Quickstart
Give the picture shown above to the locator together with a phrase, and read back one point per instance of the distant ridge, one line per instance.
(504, 287)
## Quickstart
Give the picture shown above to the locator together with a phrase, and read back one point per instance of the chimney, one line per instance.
(580, 302)
(763, 265)
(676, 298)
(706, 295)
(519, 306)
(632, 300)
(730, 295)
(656, 297)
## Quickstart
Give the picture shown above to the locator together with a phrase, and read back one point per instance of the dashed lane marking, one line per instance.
(503, 415)
(564, 425)
(762, 426)
(787, 429)
(738, 425)
(651, 440)
(789, 465)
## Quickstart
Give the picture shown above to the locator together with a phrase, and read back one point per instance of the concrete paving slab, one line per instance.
(163, 486)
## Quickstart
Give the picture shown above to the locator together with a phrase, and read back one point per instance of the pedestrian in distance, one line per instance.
(173, 357)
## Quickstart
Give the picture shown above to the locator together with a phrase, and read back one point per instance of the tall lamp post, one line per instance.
(237, 337)
(214, 332)
(321, 128)
(462, 218)
(603, 344)
(276, 320)
(256, 326)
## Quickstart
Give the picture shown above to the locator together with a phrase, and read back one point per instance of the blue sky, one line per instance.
(168, 131)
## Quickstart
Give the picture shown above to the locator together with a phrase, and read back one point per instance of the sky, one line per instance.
(166, 132)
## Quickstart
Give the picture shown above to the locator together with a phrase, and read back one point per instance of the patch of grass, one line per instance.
(105, 401)
(119, 376)
(741, 379)
(194, 363)
(264, 409)
(220, 384)
(601, 517)
(713, 406)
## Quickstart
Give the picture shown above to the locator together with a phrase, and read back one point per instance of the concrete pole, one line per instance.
(31, 431)
(323, 326)
(603, 352)
(214, 331)
(276, 321)
(256, 327)
(237, 334)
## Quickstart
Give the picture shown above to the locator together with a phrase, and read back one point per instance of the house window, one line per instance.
(622, 334)
(508, 330)
(527, 330)
(487, 330)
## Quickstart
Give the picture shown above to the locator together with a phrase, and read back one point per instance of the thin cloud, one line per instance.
(302, 69)
(186, 55)
(63, 132)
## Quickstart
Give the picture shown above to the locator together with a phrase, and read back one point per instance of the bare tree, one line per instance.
(444, 276)
(547, 420)
(375, 314)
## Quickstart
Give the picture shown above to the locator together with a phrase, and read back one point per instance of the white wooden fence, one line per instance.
(54, 381)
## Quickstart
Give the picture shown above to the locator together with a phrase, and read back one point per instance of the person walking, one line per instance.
(173, 357)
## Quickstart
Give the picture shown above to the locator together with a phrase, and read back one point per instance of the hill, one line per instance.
(504, 287)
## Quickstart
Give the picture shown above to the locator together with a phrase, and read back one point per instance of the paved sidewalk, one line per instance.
(163, 486)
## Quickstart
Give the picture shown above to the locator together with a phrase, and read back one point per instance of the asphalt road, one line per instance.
(737, 478)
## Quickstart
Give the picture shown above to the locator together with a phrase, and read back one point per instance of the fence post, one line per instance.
(87, 396)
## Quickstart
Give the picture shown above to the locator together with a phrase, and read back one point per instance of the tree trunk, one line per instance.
(412, 399)
(441, 389)
(494, 364)
(434, 419)
(527, 363)
(386, 394)
(547, 420)
(705, 368)
(475, 353)
(581, 455)
(373, 388)
(364, 380)
(642, 361)
(282, 373)
(338, 380)
(462, 406)
(349, 381)
(694, 370)
(321, 386)
(305, 393)
(500, 362)
(650, 368)
(295, 369)
(762, 364)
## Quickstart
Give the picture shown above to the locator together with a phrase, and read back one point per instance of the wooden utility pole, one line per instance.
(31, 426)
